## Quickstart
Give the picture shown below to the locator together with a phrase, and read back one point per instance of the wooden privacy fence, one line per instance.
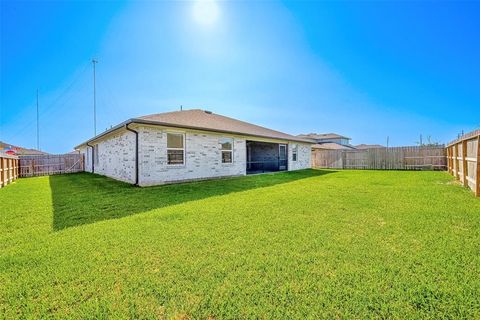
(41, 165)
(464, 160)
(396, 158)
(8, 169)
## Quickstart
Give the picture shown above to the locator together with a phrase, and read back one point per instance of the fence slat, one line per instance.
(477, 176)
(40, 165)
(396, 158)
(8, 169)
(470, 156)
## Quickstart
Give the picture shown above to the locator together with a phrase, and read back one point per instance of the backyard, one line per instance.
(306, 244)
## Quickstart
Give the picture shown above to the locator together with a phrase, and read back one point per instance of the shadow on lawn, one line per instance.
(85, 198)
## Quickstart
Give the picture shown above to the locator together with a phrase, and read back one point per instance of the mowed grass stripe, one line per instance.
(303, 244)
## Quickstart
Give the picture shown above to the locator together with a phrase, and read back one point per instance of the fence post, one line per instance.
(477, 180)
(9, 167)
(465, 163)
(1, 173)
(451, 160)
(457, 163)
(448, 158)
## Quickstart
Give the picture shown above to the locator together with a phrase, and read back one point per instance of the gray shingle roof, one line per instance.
(206, 121)
(322, 136)
(332, 146)
(209, 121)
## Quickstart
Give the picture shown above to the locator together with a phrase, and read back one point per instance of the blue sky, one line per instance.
(364, 69)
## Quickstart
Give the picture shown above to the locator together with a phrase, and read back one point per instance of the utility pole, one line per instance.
(94, 62)
(38, 126)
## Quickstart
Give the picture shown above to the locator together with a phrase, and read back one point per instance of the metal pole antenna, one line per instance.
(38, 126)
(94, 100)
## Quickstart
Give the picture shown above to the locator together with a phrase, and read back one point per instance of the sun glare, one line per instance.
(205, 12)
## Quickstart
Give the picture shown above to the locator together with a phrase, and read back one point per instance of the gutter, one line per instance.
(93, 162)
(136, 151)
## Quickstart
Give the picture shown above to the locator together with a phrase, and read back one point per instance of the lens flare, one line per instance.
(205, 12)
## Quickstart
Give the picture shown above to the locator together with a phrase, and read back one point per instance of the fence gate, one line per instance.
(42, 165)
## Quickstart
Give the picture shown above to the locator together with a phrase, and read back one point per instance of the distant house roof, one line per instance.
(369, 146)
(20, 150)
(332, 146)
(318, 136)
(207, 121)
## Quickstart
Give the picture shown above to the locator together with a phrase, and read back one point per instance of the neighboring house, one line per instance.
(19, 151)
(190, 145)
(328, 141)
(332, 146)
(320, 138)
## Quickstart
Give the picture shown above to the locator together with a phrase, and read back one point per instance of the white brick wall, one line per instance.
(202, 156)
(202, 160)
(116, 157)
(304, 155)
(87, 156)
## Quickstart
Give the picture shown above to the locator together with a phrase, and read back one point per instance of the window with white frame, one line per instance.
(294, 152)
(226, 146)
(95, 154)
(175, 148)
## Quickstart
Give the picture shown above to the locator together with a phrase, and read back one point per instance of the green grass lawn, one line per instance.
(308, 244)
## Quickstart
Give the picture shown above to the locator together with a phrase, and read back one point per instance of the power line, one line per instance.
(48, 108)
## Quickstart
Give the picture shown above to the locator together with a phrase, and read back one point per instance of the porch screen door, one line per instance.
(282, 157)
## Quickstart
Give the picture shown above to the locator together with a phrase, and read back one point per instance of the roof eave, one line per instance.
(98, 136)
(166, 124)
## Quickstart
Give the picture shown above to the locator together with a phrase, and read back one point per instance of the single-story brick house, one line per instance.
(190, 145)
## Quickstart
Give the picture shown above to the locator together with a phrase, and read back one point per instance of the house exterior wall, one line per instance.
(87, 156)
(202, 156)
(304, 155)
(116, 156)
(341, 141)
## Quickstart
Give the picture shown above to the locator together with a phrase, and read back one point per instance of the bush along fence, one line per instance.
(464, 160)
(41, 165)
(396, 158)
(8, 169)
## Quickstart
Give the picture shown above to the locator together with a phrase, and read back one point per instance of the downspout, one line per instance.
(136, 152)
(93, 162)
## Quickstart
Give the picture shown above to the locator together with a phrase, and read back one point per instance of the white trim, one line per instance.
(294, 152)
(227, 150)
(183, 133)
